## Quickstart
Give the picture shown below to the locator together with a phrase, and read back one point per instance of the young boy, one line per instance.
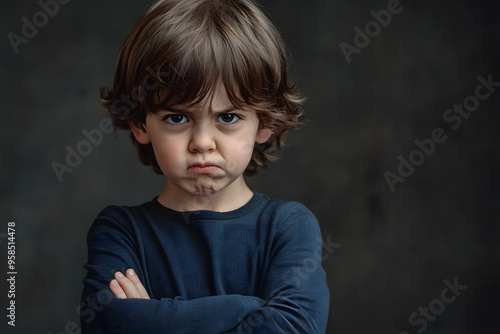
(202, 86)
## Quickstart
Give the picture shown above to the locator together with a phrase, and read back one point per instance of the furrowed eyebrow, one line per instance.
(187, 111)
(225, 110)
(173, 109)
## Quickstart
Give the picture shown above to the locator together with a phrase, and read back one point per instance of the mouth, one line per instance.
(203, 168)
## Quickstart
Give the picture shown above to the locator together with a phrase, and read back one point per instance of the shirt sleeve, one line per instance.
(111, 248)
(295, 291)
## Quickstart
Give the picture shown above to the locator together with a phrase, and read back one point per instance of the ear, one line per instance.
(263, 135)
(140, 133)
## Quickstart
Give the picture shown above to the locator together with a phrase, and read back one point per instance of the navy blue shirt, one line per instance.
(256, 269)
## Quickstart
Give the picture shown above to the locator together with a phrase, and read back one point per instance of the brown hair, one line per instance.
(180, 49)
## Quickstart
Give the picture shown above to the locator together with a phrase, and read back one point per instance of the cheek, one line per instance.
(167, 154)
(238, 154)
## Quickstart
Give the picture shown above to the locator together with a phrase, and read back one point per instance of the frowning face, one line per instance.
(203, 150)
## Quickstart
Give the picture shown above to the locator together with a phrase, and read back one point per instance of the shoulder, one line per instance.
(292, 228)
(119, 218)
(287, 208)
(288, 214)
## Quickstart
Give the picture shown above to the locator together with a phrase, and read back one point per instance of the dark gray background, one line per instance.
(397, 247)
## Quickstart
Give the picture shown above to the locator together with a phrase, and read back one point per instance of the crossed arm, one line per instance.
(293, 297)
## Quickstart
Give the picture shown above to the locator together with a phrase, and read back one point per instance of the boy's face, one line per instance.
(204, 149)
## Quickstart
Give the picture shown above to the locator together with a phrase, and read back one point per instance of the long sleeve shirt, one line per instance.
(256, 269)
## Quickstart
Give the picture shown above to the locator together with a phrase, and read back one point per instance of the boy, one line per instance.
(208, 255)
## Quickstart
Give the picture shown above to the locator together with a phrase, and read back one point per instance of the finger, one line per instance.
(132, 276)
(117, 289)
(127, 286)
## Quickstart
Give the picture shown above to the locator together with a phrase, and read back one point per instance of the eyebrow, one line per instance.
(186, 111)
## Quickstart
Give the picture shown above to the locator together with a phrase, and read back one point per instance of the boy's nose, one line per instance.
(202, 140)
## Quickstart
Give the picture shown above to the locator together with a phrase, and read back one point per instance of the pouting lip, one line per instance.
(203, 168)
(203, 165)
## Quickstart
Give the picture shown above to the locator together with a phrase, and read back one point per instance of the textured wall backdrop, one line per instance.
(398, 175)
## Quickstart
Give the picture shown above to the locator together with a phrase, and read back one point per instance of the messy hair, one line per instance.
(179, 51)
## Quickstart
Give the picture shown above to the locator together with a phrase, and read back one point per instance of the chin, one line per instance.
(204, 189)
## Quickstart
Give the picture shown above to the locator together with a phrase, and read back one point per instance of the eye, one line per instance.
(228, 118)
(176, 118)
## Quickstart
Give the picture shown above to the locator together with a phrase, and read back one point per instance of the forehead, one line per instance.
(216, 101)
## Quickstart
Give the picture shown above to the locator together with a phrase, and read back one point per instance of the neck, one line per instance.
(232, 197)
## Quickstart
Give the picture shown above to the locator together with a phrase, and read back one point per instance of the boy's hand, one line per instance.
(128, 286)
